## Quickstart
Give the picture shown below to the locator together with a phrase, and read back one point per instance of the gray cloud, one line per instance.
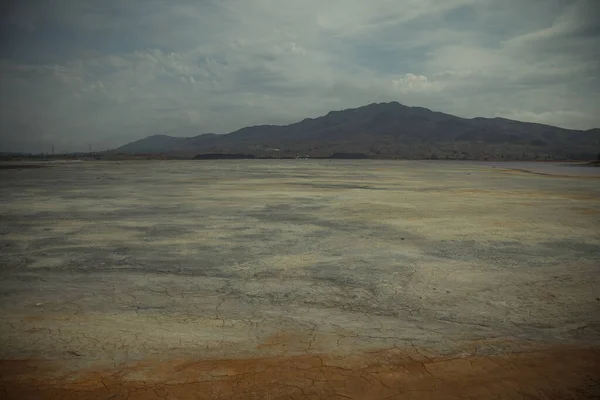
(78, 72)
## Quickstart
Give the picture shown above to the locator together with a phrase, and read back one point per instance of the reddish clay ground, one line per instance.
(557, 373)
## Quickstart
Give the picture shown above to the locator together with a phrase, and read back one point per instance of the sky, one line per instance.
(80, 73)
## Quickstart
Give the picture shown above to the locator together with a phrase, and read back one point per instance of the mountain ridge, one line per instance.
(387, 130)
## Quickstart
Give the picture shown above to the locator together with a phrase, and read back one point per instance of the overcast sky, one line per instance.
(79, 72)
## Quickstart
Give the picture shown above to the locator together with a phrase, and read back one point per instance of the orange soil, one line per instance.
(551, 373)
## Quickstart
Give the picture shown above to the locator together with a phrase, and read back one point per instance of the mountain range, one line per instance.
(386, 130)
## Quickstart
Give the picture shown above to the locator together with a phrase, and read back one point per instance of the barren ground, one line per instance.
(298, 279)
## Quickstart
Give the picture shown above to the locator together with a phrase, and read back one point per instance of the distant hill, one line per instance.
(388, 130)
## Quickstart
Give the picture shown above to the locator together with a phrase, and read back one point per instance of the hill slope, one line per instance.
(389, 130)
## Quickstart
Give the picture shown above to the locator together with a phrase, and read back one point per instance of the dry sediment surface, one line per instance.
(299, 279)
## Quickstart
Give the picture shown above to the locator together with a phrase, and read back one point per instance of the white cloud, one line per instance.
(416, 83)
(576, 16)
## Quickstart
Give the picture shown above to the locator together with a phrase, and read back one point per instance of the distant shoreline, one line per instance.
(111, 156)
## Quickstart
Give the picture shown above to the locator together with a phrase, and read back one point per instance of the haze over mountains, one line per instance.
(388, 130)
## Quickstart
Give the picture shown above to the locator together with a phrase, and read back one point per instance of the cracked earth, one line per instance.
(299, 279)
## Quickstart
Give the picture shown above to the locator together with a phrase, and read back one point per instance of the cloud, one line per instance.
(547, 117)
(84, 72)
(416, 83)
